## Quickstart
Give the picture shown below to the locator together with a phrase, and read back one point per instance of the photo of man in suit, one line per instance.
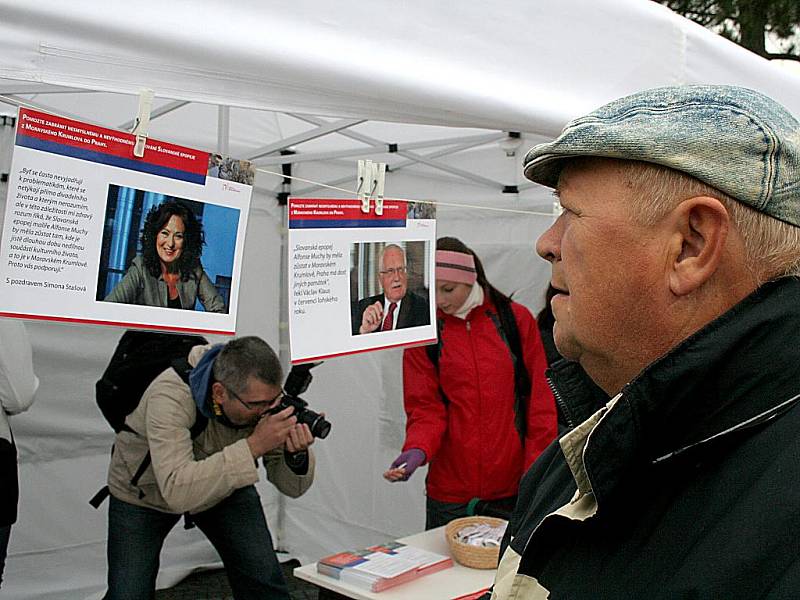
(396, 307)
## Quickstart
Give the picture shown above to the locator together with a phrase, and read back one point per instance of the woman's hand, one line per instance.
(404, 465)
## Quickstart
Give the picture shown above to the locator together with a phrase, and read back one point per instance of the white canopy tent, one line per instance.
(255, 78)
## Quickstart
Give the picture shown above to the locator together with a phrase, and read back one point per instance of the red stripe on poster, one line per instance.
(76, 134)
(115, 323)
(331, 209)
(326, 356)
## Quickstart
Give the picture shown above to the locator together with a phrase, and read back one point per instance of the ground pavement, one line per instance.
(213, 585)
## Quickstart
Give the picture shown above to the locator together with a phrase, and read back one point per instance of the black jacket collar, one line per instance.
(735, 368)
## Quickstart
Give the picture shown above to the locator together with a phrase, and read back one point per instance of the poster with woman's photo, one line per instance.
(93, 234)
(359, 281)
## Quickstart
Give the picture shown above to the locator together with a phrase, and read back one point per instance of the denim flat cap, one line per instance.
(734, 139)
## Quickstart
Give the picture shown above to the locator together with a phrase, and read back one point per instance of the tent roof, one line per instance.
(515, 66)
(434, 69)
(512, 65)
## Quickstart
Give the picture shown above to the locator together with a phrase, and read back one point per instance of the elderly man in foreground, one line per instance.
(675, 261)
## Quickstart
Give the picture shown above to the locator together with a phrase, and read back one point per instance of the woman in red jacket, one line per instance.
(461, 412)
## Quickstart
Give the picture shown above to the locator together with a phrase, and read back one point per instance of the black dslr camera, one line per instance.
(297, 383)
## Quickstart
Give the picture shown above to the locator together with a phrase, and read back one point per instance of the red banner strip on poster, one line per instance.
(307, 213)
(87, 140)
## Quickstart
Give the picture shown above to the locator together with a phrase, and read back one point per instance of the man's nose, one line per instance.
(548, 246)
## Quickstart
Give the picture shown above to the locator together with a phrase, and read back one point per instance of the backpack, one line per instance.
(506, 325)
(140, 357)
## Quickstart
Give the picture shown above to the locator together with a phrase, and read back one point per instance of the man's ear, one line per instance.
(217, 393)
(700, 231)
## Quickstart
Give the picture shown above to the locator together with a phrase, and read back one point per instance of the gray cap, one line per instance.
(734, 139)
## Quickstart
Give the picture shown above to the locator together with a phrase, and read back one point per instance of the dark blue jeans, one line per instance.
(441, 513)
(5, 535)
(236, 527)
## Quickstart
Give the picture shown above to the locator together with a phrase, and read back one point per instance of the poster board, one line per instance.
(95, 235)
(345, 263)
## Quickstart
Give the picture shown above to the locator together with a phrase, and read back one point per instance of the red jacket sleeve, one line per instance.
(542, 419)
(426, 413)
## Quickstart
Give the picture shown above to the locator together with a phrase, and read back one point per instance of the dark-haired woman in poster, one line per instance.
(168, 273)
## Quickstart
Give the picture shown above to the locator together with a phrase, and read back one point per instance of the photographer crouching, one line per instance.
(202, 431)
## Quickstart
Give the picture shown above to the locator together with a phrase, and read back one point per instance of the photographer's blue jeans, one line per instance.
(5, 535)
(236, 527)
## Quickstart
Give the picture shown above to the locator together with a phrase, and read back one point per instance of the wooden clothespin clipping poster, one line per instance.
(142, 126)
(363, 178)
(379, 181)
(371, 181)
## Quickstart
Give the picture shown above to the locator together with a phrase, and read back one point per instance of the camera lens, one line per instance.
(319, 426)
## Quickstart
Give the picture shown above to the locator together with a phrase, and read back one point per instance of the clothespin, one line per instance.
(379, 181)
(142, 125)
(364, 179)
(371, 180)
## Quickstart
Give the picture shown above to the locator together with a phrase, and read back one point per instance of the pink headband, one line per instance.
(455, 266)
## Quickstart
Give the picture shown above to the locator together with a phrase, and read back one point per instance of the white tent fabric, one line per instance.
(524, 66)
(513, 65)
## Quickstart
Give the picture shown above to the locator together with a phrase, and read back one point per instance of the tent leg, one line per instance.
(279, 532)
(223, 130)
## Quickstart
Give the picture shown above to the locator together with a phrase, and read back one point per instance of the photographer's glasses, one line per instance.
(259, 405)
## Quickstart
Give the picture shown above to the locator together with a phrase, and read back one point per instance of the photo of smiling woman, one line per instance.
(168, 272)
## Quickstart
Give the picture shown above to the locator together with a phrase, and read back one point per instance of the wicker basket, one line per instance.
(477, 557)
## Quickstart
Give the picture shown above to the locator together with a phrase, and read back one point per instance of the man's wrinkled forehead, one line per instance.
(584, 164)
(567, 168)
(393, 255)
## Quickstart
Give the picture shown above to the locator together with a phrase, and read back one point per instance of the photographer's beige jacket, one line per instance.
(189, 475)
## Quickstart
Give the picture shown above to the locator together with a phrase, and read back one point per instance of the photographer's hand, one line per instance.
(373, 315)
(271, 432)
(299, 439)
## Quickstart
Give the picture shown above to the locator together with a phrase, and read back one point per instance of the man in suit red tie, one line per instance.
(396, 307)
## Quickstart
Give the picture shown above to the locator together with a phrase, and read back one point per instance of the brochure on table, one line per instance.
(379, 567)
(78, 203)
(337, 269)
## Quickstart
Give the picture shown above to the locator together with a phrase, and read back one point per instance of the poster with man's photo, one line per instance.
(93, 234)
(359, 281)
